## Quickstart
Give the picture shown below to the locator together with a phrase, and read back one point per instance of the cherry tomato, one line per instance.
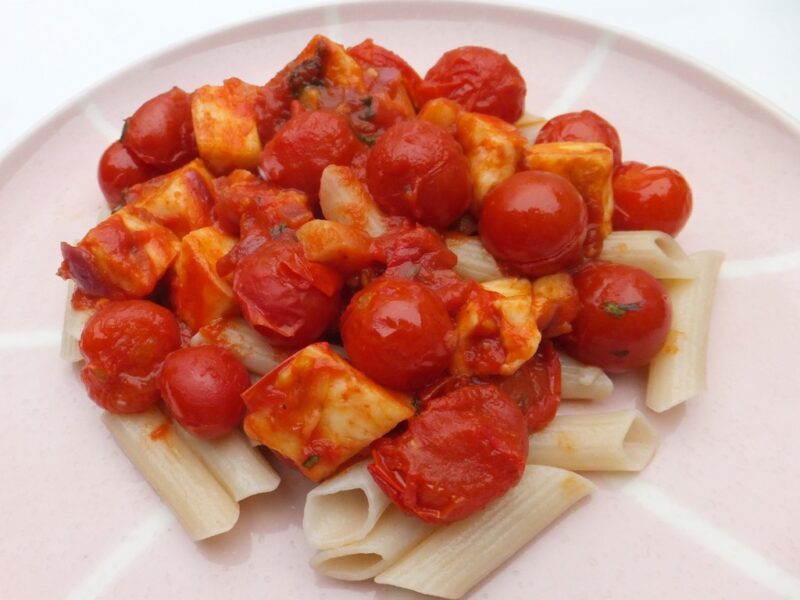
(398, 333)
(650, 198)
(416, 170)
(118, 170)
(288, 299)
(310, 141)
(125, 343)
(535, 221)
(536, 386)
(160, 133)
(370, 54)
(624, 319)
(479, 79)
(461, 452)
(584, 126)
(202, 388)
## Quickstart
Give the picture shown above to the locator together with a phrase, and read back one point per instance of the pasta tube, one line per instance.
(474, 261)
(344, 199)
(393, 535)
(579, 381)
(653, 251)
(678, 372)
(343, 509)
(245, 342)
(455, 558)
(613, 441)
(74, 321)
(236, 464)
(201, 504)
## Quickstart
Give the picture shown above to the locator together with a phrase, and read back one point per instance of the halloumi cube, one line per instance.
(225, 125)
(319, 411)
(590, 168)
(441, 112)
(198, 295)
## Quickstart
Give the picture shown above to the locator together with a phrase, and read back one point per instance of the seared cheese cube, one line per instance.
(441, 112)
(319, 411)
(197, 293)
(124, 256)
(180, 200)
(509, 286)
(556, 303)
(344, 247)
(225, 125)
(589, 167)
(494, 150)
(497, 334)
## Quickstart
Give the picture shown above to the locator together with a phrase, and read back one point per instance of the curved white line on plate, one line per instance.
(583, 76)
(713, 539)
(121, 557)
(99, 122)
(778, 263)
(44, 338)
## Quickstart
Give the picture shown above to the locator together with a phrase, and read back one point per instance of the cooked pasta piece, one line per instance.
(529, 126)
(344, 199)
(653, 251)
(245, 342)
(343, 509)
(622, 440)
(74, 322)
(474, 261)
(393, 535)
(237, 465)
(455, 558)
(584, 382)
(678, 372)
(199, 501)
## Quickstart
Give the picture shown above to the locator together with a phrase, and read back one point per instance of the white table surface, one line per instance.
(51, 51)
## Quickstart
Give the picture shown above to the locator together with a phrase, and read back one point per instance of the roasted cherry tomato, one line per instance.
(118, 170)
(479, 79)
(310, 141)
(624, 319)
(398, 333)
(534, 221)
(584, 126)
(288, 299)
(370, 54)
(650, 198)
(536, 386)
(125, 343)
(417, 170)
(202, 388)
(160, 133)
(461, 452)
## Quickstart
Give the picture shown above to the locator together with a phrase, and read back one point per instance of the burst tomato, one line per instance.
(118, 170)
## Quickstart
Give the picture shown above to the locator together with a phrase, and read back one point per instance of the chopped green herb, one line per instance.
(618, 310)
(416, 402)
(278, 229)
(369, 140)
(311, 461)
(367, 101)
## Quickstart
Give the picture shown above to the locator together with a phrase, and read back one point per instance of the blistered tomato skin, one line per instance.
(125, 343)
(624, 320)
(310, 141)
(288, 299)
(534, 221)
(650, 198)
(479, 79)
(418, 171)
(398, 333)
(583, 126)
(118, 170)
(202, 388)
(160, 133)
(461, 452)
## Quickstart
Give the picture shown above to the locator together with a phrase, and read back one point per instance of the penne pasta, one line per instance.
(455, 558)
(343, 509)
(474, 261)
(584, 382)
(678, 372)
(622, 440)
(245, 342)
(393, 535)
(344, 199)
(529, 125)
(235, 463)
(201, 504)
(653, 251)
(74, 321)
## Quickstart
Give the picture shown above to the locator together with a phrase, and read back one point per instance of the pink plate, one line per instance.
(716, 515)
